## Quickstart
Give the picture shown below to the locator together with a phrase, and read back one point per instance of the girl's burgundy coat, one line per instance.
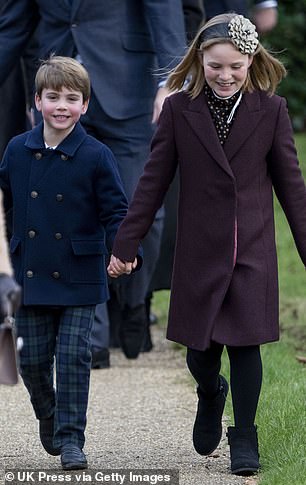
(225, 198)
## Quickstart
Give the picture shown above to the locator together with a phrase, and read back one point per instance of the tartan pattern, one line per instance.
(60, 334)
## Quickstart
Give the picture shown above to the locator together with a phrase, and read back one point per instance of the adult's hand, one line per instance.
(10, 295)
(265, 19)
(160, 97)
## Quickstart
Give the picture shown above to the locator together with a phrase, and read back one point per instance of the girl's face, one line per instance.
(60, 109)
(225, 68)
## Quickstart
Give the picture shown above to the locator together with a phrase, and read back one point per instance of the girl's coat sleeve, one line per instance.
(287, 179)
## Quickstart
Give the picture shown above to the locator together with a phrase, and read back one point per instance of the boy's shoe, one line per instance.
(73, 458)
(46, 432)
(207, 429)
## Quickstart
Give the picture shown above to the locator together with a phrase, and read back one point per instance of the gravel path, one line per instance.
(140, 416)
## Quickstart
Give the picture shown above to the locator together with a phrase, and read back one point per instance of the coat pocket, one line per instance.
(137, 42)
(88, 263)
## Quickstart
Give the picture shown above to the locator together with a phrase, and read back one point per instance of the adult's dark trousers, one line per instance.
(245, 377)
(58, 335)
(129, 140)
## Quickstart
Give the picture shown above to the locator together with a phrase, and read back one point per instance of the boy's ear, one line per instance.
(37, 102)
(85, 106)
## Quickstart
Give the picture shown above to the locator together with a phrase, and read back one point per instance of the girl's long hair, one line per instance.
(265, 72)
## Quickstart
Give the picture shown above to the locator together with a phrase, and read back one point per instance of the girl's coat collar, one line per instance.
(248, 116)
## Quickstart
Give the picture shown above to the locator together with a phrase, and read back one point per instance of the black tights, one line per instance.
(245, 377)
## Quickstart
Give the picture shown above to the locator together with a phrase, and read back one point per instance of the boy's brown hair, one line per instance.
(58, 72)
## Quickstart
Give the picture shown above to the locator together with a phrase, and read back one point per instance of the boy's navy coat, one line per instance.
(67, 205)
(226, 192)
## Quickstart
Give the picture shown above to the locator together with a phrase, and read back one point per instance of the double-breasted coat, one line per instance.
(225, 282)
(67, 205)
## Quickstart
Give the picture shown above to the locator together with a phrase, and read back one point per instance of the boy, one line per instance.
(67, 200)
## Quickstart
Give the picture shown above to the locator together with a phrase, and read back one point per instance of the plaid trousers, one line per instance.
(60, 334)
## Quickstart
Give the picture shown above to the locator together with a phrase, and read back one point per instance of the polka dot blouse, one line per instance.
(221, 111)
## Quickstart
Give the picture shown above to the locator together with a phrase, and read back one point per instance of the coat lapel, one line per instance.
(200, 120)
(248, 116)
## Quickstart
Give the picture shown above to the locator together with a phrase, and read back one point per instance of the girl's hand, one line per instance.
(118, 267)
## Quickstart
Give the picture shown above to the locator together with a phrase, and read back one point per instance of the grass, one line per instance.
(281, 416)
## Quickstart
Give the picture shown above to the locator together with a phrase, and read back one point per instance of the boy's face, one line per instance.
(61, 110)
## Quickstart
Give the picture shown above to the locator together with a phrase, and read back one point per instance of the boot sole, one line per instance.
(245, 471)
(75, 466)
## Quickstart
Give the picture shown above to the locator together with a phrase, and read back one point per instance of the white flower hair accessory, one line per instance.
(243, 33)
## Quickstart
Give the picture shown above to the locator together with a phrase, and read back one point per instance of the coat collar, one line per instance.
(248, 116)
(68, 146)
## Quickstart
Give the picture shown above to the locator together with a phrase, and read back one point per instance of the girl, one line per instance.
(232, 140)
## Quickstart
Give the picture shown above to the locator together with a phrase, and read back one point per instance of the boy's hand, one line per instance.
(117, 267)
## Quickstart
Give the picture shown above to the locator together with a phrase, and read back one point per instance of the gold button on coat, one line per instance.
(38, 155)
(64, 157)
(58, 235)
(34, 194)
(56, 275)
(30, 274)
(59, 197)
(31, 234)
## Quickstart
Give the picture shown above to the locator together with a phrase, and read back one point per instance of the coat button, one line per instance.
(64, 157)
(34, 194)
(59, 197)
(56, 275)
(31, 234)
(38, 155)
(58, 235)
(30, 274)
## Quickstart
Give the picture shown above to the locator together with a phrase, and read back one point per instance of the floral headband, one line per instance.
(240, 30)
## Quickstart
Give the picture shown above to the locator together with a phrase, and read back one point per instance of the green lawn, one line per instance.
(281, 415)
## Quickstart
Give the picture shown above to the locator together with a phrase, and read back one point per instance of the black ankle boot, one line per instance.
(244, 450)
(207, 429)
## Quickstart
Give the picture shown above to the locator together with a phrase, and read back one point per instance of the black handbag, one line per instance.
(8, 353)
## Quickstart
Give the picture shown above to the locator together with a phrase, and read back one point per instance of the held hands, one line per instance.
(10, 296)
(118, 267)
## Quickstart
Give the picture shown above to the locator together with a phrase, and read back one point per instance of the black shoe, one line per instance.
(244, 450)
(73, 458)
(132, 330)
(100, 358)
(46, 432)
(207, 429)
(147, 344)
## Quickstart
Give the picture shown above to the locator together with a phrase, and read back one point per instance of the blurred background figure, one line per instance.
(263, 12)
(16, 94)
(122, 45)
